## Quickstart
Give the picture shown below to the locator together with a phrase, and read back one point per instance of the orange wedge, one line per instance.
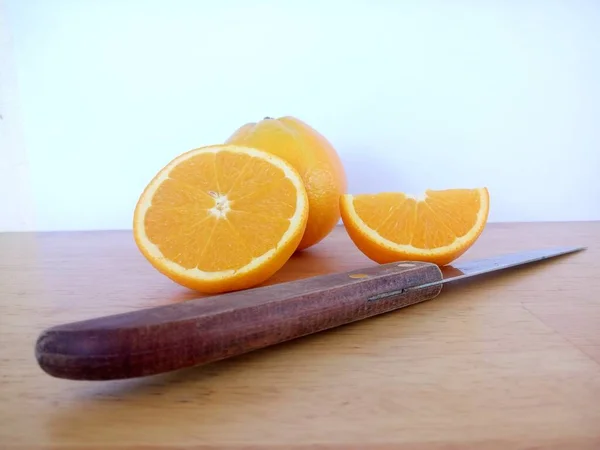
(437, 227)
(221, 218)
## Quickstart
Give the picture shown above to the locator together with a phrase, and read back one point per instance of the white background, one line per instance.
(97, 95)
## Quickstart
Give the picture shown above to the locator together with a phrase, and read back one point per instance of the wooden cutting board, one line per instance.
(510, 360)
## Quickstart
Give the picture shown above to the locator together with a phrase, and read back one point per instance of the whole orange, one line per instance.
(313, 156)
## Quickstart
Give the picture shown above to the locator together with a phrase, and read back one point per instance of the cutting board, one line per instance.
(510, 360)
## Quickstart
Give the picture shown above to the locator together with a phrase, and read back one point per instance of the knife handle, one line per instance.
(208, 329)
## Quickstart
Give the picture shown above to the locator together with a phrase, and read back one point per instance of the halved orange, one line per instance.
(437, 227)
(221, 218)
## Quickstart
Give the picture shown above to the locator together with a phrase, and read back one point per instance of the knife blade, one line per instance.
(208, 329)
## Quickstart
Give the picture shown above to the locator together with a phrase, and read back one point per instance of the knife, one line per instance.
(200, 331)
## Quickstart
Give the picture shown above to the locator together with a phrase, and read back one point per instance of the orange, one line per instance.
(437, 227)
(313, 157)
(221, 218)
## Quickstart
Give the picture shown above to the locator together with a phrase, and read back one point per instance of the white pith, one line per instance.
(417, 197)
(222, 206)
(458, 243)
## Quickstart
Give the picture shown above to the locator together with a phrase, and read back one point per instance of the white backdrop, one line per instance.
(99, 95)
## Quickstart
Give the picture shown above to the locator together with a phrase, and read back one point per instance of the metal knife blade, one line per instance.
(477, 267)
(467, 269)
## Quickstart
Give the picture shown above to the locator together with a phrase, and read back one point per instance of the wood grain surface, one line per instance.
(510, 360)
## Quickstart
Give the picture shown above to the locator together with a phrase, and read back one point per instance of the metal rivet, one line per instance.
(359, 275)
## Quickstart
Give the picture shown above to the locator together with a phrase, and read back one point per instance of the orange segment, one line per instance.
(221, 218)
(437, 228)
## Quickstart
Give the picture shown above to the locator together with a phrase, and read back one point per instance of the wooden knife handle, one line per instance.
(208, 329)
